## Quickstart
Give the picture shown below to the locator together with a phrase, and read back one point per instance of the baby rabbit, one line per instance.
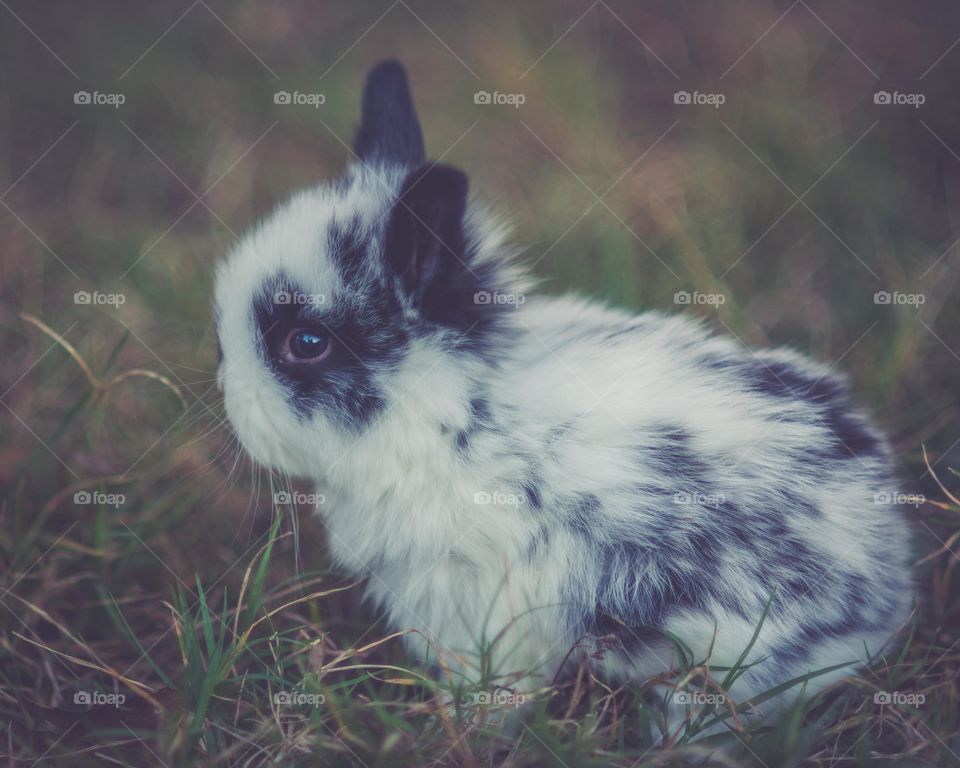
(518, 474)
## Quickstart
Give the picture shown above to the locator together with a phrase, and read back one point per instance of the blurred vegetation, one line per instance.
(798, 199)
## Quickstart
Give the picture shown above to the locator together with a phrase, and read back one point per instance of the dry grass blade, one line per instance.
(99, 386)
(926, 461)
(138, 688)
(67, 346)
(148, 374)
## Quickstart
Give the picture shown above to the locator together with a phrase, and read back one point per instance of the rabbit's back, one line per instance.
(691, 482)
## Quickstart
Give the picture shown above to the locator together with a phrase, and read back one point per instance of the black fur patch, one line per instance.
(848, 590)
(582, 512)
(680, 560)
(480, 420)
(366, 339)
(531, 491)
(389, 131)
(428, 251)
(826, 396)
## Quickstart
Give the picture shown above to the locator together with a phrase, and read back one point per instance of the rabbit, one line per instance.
(531, 482)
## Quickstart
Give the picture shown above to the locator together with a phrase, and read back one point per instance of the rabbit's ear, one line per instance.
(425, 242)
(389, 131)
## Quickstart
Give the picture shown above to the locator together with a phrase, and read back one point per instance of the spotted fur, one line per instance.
(517, 476)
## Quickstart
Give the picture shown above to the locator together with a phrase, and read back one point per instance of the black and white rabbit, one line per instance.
(515, 473)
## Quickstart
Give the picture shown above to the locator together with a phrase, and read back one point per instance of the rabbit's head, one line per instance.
(334, 305)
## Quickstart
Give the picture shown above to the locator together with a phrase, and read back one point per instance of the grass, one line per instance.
(194, 596)
(201, 672)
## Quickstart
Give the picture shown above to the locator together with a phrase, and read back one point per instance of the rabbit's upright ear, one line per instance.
(425, 245)
(389, 131)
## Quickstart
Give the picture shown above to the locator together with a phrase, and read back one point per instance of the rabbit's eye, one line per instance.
(305, 345)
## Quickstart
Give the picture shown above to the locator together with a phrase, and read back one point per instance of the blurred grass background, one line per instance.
(96, 198)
